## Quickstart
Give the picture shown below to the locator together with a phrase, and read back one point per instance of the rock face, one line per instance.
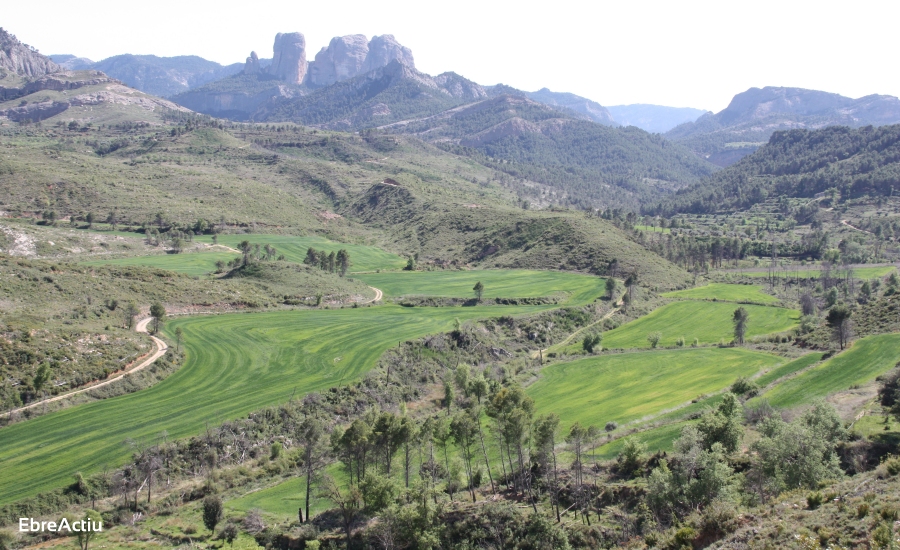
(343, 59)
(22, 59)
(590, 110)
(384, 49)
(353, 55)
(289, 61)
(252, 64)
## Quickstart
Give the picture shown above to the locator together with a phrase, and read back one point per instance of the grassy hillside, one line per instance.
(726, 293)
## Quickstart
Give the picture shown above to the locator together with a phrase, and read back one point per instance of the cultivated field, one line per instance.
(858, 272)
(626, 387)
(235, 364)
(726, 293)
(514, 283)
(709, 322)
(363, 258)
(189, 263)
(865, 360)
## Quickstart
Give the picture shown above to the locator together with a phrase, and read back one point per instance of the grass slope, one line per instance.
(709, 322)
(861, 363)
(626, 387)
(789, 368)
(726, 293)
(516, 283)
(858, 272)
(235, 364)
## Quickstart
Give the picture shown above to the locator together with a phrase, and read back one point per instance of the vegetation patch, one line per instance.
(725, 293)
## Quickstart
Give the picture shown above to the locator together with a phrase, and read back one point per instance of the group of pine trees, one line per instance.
(328, 261)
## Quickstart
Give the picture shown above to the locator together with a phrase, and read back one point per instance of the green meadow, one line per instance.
(362, 258)
(789, 368)
(630, 386)
(234, 364)
(709, 322)
(513, 283)
(726, 293)
(865, 360)
(189, 263)
(858, 272)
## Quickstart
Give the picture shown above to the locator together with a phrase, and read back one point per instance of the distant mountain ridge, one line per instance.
(656, 119)
(754, 115)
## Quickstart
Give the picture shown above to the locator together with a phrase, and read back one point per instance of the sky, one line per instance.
(677, 53)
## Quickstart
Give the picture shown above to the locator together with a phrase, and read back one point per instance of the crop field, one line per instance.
(709, 322)
(626, 387)
(865, 360)
(858, 272)
(190, 263)
(726, 293)
(362, 258)
(235, 364)
(515, 283)
(789, 368)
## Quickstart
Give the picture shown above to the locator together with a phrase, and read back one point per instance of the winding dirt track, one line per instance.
(161, 348)
(378, 296)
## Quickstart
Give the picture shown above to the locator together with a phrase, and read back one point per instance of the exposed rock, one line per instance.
(23, 59)
(343, 59)
(66, 80)
(252, 64)
(289, 61)
(582, 107)
(384, 49)
(460, 87)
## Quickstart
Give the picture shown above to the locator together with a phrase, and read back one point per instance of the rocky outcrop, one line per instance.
(251, 66)
(352, 55)
(22, 59)
(67, 80)
(384, 49)
(343, 59)
(289, 61)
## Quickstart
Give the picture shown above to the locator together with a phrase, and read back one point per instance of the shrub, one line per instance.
(892, 465)
(654, 338)
(745, 387)
(680, 342)
(862, 510)
(814, 500)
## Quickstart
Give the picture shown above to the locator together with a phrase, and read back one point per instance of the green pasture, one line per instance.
(514, 283)
(858, 272)
(190, 263)
(362, 258)
(630, 386)
(865, 360)
(652, 229)
(788, 368)
(709, 322)
(234, 364)
(726, 293)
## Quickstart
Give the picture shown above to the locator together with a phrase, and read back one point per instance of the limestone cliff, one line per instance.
(22, 59)
(289, 59)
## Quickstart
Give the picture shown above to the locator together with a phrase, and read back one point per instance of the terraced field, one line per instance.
(235, 364)
(193, 263)
(726, 293)
(860, 364)
(515, 283)
(362, 258)
(709, 322)
(626, 387)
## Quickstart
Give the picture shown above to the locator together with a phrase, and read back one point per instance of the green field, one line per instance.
(656, 439)
(630, 386)
(515, 283)
(726, 293)
(362, 258)
(788, 368)
(235, 364)
(193, 263)
(858, 272)
(709, 322)
(865, 360)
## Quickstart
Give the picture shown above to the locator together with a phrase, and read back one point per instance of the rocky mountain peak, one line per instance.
(289, 60)
(384, 49)
(353, 55)
(23, 59)
(251, 66)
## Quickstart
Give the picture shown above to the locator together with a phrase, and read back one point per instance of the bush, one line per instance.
(745, 387)
(814, 500)
(654, 338)
(892, 465)
(680, 342)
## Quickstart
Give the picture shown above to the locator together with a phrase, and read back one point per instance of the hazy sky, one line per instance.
(678, 53)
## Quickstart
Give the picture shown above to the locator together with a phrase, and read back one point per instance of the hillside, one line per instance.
(581, 163)
(753, 116)
(164, 76)
(582, 106)
(801, 163)
(21, 59)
